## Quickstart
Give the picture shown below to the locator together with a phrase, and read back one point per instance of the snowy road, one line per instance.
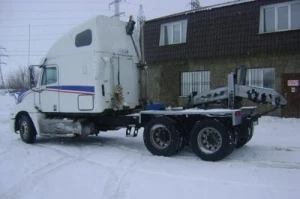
(112, 166)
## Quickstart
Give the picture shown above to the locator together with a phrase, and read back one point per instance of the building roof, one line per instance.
(230, 3)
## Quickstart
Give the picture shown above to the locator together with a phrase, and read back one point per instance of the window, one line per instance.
(84, 38)
(198, 81)
(173, 33)
(280, 17)
(49, 76)
(260, 77)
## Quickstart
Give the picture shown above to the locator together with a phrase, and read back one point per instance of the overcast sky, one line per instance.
(49, 19)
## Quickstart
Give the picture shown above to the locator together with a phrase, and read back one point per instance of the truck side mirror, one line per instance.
(32, 76)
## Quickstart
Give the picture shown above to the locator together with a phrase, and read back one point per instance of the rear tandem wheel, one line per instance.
(211, 140)
(162, 138)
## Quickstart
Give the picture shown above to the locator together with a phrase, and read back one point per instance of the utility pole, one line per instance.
(29, 45)
(117, 8)
(140, 18)
(2, 63)
(195, 4)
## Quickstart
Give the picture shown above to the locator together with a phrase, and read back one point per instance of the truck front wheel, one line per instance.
(26, 129)
(161, 137)
(210, 140)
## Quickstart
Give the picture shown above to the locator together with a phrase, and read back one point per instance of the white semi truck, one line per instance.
(89, 82)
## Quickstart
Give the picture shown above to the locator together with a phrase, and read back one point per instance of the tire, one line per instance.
(182, 130)
(182, 144)
(211, 140)
(245, 134)
(162, 138)
(26, 129)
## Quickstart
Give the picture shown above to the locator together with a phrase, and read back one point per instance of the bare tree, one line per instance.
(18, 80)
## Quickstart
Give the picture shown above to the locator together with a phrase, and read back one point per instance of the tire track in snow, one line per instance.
(272, 148)
(119, 182)
(41, 173)
(266, 163)
(254, 156)
(233, 158)
(124, 184)
(117, 185)
(37, 176)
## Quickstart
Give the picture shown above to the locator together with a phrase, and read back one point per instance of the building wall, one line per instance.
(223, 31)
(164, 77)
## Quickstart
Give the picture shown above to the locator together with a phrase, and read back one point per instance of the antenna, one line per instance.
(140, 18)
(117, 8)
(1, 75)
(195, 4)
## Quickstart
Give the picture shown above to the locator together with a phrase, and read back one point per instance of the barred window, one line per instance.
(261, 77)
(198, 81)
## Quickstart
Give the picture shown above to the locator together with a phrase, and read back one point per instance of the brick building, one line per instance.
(195, 50)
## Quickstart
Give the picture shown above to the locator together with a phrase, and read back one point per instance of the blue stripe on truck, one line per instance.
(89, 89)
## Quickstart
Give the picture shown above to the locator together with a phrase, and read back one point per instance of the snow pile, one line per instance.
(112, 166)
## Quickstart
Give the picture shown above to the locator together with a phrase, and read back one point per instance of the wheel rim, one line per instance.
(160, 136)
(24, 129)
(209, 140)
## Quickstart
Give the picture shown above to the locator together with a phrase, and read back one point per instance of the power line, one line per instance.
(53, 2)
(20, 51)
(140, 18)
(31, 35)
(104, 10)
(52, 25)
(54, 10)
(195, 4)
(7, 19)
(26, 55)
(116, 3)
(1, 75)
(27, 40)
(146, 8)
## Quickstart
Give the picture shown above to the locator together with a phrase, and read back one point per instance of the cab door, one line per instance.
(48, 90)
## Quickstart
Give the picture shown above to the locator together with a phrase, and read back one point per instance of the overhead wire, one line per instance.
(20, 40)
(51, 25)
(18, 51)
(38, 19)
(54, 2)
(54, 10)
(26, 55)
(26, 35)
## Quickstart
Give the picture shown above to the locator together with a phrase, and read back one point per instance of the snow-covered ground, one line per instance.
(116, 167)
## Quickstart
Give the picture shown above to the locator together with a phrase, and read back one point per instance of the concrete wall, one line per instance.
(164, 77)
